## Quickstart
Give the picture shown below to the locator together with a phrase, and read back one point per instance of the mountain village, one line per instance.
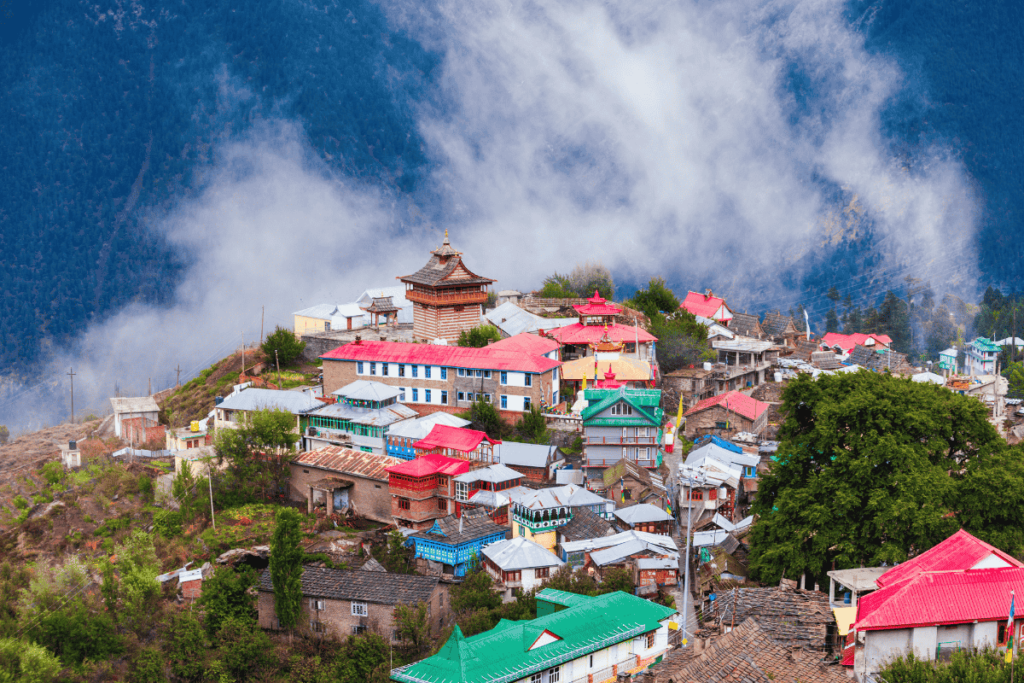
(645, 481)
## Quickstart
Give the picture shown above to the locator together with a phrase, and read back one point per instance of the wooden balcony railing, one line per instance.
(621, 440)
(443, 299)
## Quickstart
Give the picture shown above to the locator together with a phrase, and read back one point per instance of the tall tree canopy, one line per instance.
(873, 468)
(286, 566)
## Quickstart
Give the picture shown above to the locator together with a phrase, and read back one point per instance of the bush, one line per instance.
(245, 649)
(146, 489)
(284, 342)
(167, 523)
(20, 502)
(53, 472)
(148, 666)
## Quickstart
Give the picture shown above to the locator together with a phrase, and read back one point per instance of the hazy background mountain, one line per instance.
(171, 167)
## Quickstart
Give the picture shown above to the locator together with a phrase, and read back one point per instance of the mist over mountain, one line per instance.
(171, 167)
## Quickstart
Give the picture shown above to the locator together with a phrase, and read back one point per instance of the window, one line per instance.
(553, 674)
(403, 503)
(415, 395)
(486, 398)
(426, 371)
(542, 572)
(535, 678)
(469, 396)
(442, 504)
(504, 402)
(487, 374)
(444, 398)
(444, 373)
(721, 425)
(622, 408)
(627, 494)
(461, 396)
(649, 640)
(526, 403)
(316, 626)
(401, 370)
(415, 371)
(522, 530)
(357, 629)
(359, 609)
(750, 472)
(359, 368)
(384, 369)
(401, 393)
(479, 373)
(504, 377)
(426, 395)
(316, 604)
(1001, 639)
(527, 379)
(554, 375)
(462, 372)
(373, 368)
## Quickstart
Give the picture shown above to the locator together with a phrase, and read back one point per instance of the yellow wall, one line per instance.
(304, 325)
(547, 539)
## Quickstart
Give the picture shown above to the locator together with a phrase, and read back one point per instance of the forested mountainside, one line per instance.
(108, 114)
(110, 111)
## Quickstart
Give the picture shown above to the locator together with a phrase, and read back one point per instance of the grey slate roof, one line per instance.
(474, 526)
(791, 617)
(295, 402)
(361, 586)
(434, 272)
(776, 325)
(586, 524)
(746, 325)
(141, 404)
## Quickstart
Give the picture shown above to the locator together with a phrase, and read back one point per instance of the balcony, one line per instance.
(621, 440)
(443, 299)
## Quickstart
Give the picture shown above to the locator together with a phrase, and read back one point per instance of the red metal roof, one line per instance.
(526, 343)
(591, 334)
(846, 342)
(958, 552)
(486, 358)
(702, 304)
(598, 305)
(431, 463)
(456, 438)
(931, 598)
(736, 402)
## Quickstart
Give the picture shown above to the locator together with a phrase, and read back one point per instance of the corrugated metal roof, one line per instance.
(958, 552)
(432, 463)
(941, 598)
(591, 334)
(643, 512)
(736, 402)
(665, 543)
(520, 553)
(486, 358)
(725, 455)
(706, 538)
(140, 404)
(491, 473)
(702, 304)
(513, 320)
(331, 311)
(295, 402)
(525, 454)
(420, 427)
(559, 496)
(348, 461)
(375, 417)
(459, 439)
(365, 390)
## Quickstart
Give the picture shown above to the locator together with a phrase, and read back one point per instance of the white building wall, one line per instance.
(923, 640)
(953, 637)
(984, 635)
(882, 647)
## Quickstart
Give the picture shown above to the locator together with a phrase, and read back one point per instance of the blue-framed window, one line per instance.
(383, 369)
(359, 367)
(526, 403)
(426, 371)
(444, 398)
(462, 396)
(401, 393)
(373, 368)
(444, 373)
(415, 371)
(750, 471)
(504, 377)
(504, 402)
(401, 370)
(415, 395)
(527, 379)
(426, 395)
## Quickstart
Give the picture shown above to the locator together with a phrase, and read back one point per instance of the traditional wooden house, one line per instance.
(747, 325)
(341, 478)
(583, 525)
(644, 517)
(383, 306)
(455, 442)
(622, 423)
(781, 329)
(489, 488)
(725, 414)
(707, 305)
(627, 483)
(359, 418)
(351, 602)
(423, 490)
(453, 543)
(519, 565)
(597, 323)
(537, 514)
(447, 297)
(401, 437)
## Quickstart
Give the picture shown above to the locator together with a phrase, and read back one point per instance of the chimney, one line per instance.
(708, 294)
(359, 340)
(460, 524)
(383, 338)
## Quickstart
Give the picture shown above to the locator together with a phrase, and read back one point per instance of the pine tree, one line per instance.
(286, 567)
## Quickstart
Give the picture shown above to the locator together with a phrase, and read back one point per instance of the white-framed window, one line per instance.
(316, 626)
(462, 396)
(486, 398)
(316, 604)
(622, 408)
(535, 678)
(357, 629)
(462, 491)
(487, 374)
(553, 674)
(360, 609)
(462, 372)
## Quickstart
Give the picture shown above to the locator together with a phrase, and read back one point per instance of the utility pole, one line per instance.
(150, 387)
(71, 374)
(278, 361)
(243, 354)
(209, 481)
(177, 382)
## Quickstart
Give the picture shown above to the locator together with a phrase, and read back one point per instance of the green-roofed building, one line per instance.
(981, 357)
(586, 639)
(622, 423)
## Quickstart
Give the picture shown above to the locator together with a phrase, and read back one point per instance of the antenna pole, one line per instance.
(71, 374)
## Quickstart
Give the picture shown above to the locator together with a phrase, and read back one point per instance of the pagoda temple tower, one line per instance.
(446, 296)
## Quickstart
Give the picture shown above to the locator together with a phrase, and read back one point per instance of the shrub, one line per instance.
(20, 502)
(167, 523)
(284, 342)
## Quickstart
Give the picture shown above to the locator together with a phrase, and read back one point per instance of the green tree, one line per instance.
(361, 657)
(682, 340)
(894, 319)
(257, 452)
(484, 417)
(286, 566)
(557, 287)
(244, 648)
(617, 580)
(395, 555)
(412, 622)
(186, 646)
(474, 593)
(13, 579)
(657, 298)
(833, 295)
(148, 666)
(854, 321)
(138, 568)
(22, 662)
(285, 343)
(479, 336)
(226, 595)
(569, 581)
(871, 469)
(5, 435)
(533, 427)
(183, 488)
(831, 321)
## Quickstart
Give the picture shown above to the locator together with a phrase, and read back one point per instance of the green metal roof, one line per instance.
(502, 654)
(563, 598)
(985, 344)
(645, 401)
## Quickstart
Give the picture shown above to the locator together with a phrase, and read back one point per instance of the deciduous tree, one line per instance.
(479, 336)
(286, 566)
(226, 594)
(285, 343)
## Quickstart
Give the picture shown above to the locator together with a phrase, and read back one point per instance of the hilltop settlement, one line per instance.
(451, 484)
